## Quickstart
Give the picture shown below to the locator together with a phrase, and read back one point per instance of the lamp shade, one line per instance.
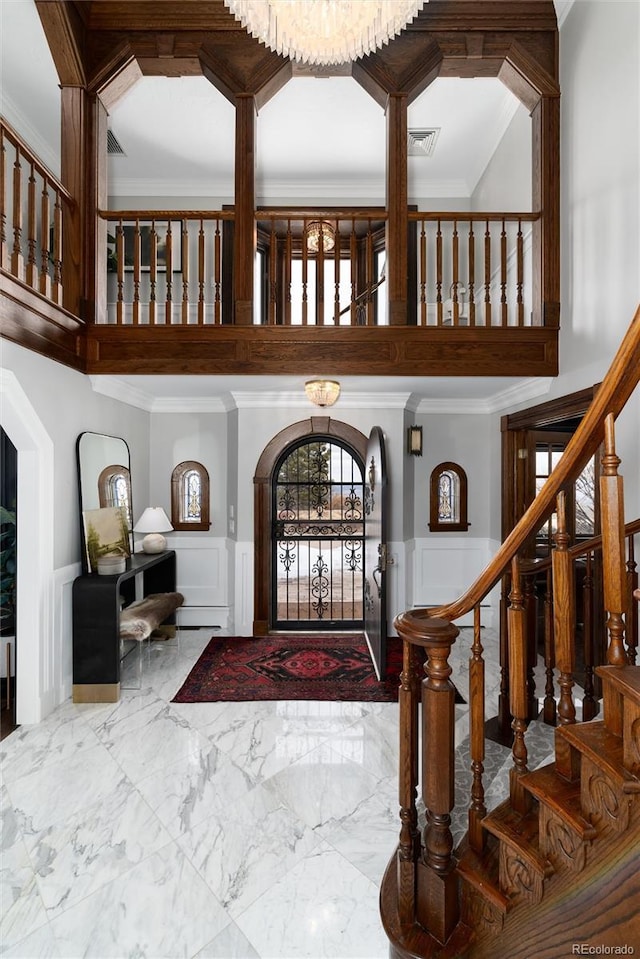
(154, 522)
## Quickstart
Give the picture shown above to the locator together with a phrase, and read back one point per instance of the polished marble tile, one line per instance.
(323, 907)
(230, 944)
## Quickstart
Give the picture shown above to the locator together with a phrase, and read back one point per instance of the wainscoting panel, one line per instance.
(445, 566)
(201, 574)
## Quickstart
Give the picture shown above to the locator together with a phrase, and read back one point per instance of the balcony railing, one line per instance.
(319, 268)
(32, 215)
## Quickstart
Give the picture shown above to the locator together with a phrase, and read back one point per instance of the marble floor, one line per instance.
(148, 829)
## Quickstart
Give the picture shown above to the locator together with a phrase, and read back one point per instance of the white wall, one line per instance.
(506, 182)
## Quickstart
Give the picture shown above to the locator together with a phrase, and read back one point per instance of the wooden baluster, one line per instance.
(503, 276)
(423, 275)
(487, 275)
(549, 707)
(320, 284)
(353, 253)
(153, 274)
(632, 607)
(273, 273)
(409, 845)
(613, 562)
(454, 258)
(32, 227)
(217, 268)
(184, 257)
(369, 275)
(168, 305)
(531, 639)
(477, 809)
(4, 252)
(520, 276)
(439, 276)
(120, 274)
(336, 261)
(201, 274)
(305, 278)
(518, 699)
(45, 252)
(56, 286)
(17, 260)
(288, 256)
(564, 614)
(589, 702)
(502, 732)
(137, 253)
(472, 273)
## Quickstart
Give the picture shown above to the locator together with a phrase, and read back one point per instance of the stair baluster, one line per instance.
(612, 508)
(564, 614)
(549, 708)
(632, 608)
(589, 702)
(477, 809)
(518, 690)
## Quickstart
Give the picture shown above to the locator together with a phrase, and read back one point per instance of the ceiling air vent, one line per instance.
(422, 143)
(113, 146)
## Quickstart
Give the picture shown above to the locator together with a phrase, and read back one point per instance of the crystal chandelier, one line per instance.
(319, 233)
(324, 31)
(322, 392)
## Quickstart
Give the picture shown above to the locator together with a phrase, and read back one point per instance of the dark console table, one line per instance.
(97, 601)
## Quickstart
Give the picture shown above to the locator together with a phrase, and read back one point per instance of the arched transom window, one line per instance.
(448, 499)
(114, 487)
(190, 496)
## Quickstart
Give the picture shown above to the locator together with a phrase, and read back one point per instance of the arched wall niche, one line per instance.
(314, 426)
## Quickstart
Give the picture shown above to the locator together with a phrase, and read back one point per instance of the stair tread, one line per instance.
(603, 748)
(625, 678)
(559, 795)
(517, 831)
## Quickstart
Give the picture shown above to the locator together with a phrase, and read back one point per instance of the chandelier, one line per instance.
(319, 234)
(324, 31)
(322, 392)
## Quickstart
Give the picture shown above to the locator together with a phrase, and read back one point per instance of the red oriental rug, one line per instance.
(291, 666)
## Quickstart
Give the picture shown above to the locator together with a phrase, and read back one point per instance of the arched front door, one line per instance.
(317, 536)
(332, 432)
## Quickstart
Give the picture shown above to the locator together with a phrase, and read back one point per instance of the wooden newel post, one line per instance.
(409, 845)
(613, 560)
(437, 894)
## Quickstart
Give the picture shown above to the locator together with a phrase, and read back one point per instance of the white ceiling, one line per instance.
(318, 139)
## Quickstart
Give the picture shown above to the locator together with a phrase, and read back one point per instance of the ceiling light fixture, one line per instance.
(324, 31)
(322, 392)
(318, 234)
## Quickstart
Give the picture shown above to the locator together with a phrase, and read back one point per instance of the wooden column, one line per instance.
(546, 198)
(74, 108)
(244, 247)
(397, 206)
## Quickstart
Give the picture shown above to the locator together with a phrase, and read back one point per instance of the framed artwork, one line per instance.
(161, 228)
(106, 532)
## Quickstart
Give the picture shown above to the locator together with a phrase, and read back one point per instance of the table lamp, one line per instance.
(154, 522)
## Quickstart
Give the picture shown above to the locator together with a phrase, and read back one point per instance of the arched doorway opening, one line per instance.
(308, 436)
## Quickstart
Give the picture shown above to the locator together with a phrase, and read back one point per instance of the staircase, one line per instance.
(554, 870)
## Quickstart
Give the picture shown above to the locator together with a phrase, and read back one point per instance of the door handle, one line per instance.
(378, 569)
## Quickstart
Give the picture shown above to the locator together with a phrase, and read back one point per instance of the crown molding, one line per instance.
(505, 399)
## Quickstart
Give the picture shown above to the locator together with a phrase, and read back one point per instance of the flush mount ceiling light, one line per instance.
(322, 392)
(318, 234)
(324, 31)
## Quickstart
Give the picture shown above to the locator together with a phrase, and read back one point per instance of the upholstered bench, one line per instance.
(140, 619)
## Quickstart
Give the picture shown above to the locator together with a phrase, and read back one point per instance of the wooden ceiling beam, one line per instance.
(66, 38)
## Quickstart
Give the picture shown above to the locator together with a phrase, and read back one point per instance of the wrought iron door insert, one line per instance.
(317, 538)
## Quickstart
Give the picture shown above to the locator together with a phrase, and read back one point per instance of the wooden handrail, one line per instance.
(166, 214)
(466, 216)
(616, 388)
(528, 566)
(42, 168)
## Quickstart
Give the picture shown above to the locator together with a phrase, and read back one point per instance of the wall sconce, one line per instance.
(154, 522)
(322, 392)
(414, 440)
(319, 233)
